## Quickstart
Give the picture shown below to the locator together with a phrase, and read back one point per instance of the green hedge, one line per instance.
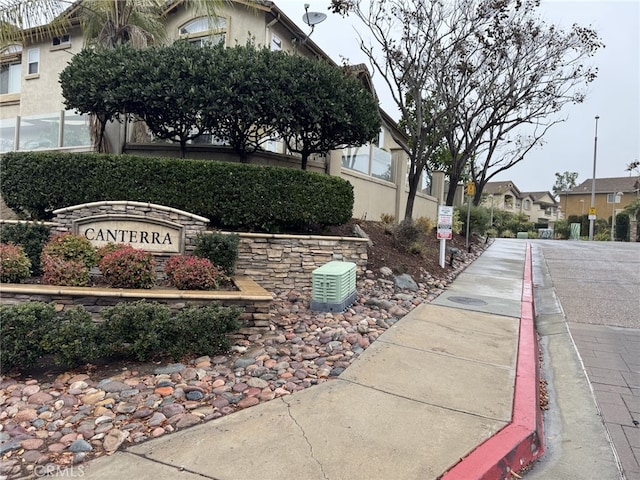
(237, 196)
(138, 330)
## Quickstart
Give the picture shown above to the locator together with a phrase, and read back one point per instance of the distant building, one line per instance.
(577, 201)
(540, 207)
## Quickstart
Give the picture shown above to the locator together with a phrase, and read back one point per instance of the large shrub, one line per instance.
(68, 246)
(127, 267)
(192, 273)
(75, 340)
(202, 330)
(58, 271)
(220, 249)
(14, 264)
(67, 259)
(622, 227)
(237, 196)
(136, 329)
(32, 237)
(140, 330)
(23, 328)
(478, 219)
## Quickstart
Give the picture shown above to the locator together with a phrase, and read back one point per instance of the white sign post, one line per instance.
(445, 224)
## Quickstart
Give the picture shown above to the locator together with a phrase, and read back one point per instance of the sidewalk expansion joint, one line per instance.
(167, 464)
(435, 405)
(304, 435)
(446, 354)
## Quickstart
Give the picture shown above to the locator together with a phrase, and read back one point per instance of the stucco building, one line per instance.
(540, 208)
(32, 114)
(611, 195)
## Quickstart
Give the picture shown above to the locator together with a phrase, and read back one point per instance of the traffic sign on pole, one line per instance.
(471, 188)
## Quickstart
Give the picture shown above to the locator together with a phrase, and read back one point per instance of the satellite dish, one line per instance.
(313, 18)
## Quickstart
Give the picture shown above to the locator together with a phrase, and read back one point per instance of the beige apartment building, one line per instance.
(32, 114)
(540, 208)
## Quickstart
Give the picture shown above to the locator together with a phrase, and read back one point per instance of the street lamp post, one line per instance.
(592, 218)
(581, 207)
(491, 216)
(616, 199)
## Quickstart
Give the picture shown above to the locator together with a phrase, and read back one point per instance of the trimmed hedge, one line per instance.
(236, 196)
(22, 329)
(138, 330)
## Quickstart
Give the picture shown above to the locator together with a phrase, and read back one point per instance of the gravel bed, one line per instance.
(46, 427)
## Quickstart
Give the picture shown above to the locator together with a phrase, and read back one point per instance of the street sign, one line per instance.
(445, 222)
(471, 188)
(592, 210)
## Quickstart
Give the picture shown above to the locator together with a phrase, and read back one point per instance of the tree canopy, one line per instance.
(564, 182)
(323, 109)
(473, 73)
(242, 95)
(104, 22)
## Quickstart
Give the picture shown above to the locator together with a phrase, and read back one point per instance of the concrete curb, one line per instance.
(522, 441)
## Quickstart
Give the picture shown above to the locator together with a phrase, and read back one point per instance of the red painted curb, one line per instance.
(522, 441)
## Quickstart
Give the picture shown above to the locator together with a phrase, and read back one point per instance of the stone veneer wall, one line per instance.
(254, 300)
(192, 224)
(288, 261)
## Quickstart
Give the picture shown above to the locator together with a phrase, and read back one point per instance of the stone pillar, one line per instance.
(334, 163)
(437, 186)
(458, 200)
(400, 179)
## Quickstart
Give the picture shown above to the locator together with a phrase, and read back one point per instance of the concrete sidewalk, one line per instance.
(439, 386)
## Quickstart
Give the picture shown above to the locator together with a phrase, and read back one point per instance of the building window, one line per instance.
(613, 198)
(370, 160)
(276, 43)
(33, 60)
(527, 204)
(10, 77)
(10, 69)
(61, 40)
(203, 30)
(508, 201)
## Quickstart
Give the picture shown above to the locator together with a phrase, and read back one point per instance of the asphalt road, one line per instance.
(587, 298)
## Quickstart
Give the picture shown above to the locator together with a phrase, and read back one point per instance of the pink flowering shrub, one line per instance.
(67, 259)
(193, 273)
(127, 267)
(109, 248)
(68, 246)
(14, 264)
(58, 271)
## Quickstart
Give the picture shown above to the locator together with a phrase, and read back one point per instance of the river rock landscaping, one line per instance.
(52, 421)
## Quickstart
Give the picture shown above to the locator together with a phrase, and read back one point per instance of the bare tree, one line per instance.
(413, 36)
(500, 151)
(486, 67)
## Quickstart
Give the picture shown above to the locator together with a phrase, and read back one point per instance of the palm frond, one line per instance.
(36, 19)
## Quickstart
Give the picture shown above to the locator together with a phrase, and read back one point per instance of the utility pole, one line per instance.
(592, 216)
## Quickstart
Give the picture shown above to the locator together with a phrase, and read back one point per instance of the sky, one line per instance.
(569, 146)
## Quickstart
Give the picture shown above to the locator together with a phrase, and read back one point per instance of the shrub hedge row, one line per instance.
(237, 196)
(138, 330)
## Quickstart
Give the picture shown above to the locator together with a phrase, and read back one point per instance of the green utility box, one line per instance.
(333, 286)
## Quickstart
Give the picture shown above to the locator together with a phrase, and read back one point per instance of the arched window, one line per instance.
(508, 201)
(203, 30)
